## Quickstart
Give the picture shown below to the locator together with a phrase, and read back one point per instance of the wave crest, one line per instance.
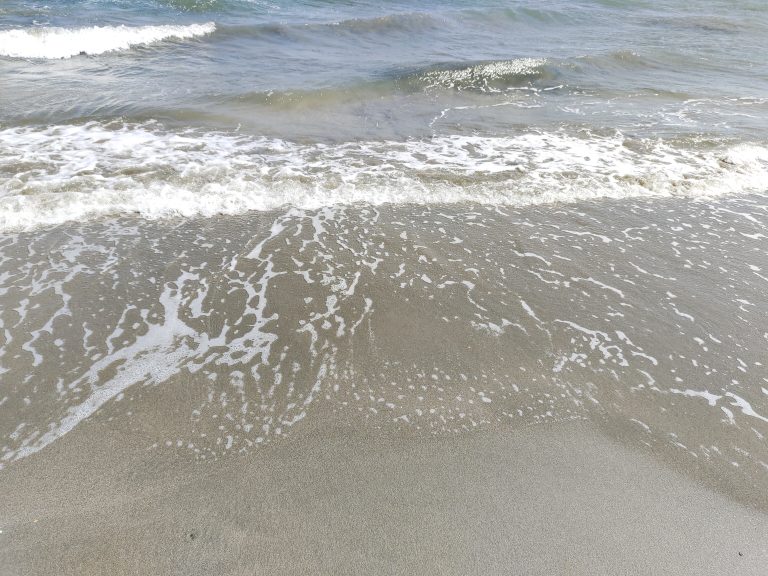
(57, 43)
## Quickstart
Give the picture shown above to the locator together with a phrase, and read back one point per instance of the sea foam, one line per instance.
(56, 43)
(50, 175)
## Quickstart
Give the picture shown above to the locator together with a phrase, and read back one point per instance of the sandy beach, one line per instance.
(558, 499)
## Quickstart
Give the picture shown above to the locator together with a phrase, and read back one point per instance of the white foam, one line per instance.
(77, 172)
(55, 43)
(481, 75)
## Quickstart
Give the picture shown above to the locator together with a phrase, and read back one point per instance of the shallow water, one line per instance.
(647, 316)
(220, 219)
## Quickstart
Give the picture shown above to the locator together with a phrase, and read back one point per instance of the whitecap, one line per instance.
(56, 43)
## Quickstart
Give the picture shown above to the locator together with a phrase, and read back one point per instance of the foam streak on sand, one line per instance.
(54, 43)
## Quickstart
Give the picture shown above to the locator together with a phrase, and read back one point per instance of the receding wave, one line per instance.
(55, 43)
(60, 173)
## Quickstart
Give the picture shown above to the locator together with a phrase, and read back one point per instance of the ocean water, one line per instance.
(220, 218)
(113, 107)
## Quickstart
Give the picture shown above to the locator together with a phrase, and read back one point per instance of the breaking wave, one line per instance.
(55, 174)
(56, 43)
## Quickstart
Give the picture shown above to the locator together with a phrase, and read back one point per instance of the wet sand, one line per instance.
(394, 390)
(559, 498)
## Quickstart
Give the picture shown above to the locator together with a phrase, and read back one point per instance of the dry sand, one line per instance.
(552, 499)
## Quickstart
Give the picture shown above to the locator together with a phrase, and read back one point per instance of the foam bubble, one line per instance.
(74, 172)
(55, 43)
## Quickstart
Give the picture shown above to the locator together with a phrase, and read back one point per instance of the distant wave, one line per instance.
(55, 43)
(388, 24)
(391, 22)
(401, 23)
(54, 174)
